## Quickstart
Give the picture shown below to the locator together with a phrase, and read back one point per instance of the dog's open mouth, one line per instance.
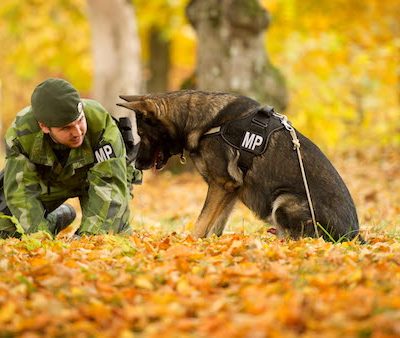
(158, 161)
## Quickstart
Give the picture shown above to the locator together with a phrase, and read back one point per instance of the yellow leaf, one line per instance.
(144, 282)
(183, 287)
(7, 312)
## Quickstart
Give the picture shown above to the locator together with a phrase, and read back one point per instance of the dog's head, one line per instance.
(156, 143)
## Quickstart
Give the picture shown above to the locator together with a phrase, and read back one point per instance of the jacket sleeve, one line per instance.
(106, 205)
(22, 188)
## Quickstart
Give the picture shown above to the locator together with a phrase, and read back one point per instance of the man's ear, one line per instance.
(44, 128)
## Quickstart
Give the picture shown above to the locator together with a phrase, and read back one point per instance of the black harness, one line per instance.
(250, 135)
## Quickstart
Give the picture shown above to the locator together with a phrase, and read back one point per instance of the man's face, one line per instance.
(71, 135)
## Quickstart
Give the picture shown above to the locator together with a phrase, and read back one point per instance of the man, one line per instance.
(61, 147)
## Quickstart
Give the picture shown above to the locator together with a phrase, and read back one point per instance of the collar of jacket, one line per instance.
(42, 153)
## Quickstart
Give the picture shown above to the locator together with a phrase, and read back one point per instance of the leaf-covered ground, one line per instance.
(160, 282)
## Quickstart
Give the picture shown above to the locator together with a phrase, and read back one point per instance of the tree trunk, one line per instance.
(159, 61)
(231, 55)
(116, 50)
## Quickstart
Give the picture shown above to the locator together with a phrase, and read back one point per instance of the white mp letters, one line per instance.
(104, 153)
(250, 140)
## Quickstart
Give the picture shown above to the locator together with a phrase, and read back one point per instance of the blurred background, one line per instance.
(332, 66)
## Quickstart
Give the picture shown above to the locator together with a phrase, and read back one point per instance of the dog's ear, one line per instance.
(147, 107)
(140, 105)
(130, 98)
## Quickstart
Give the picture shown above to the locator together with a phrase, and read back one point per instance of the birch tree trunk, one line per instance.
(231, 55)
(116, 51)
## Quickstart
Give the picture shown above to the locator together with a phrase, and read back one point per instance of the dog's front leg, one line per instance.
(216, 210)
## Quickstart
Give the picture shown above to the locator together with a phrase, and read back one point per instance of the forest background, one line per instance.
(340, 59)
(341, 64)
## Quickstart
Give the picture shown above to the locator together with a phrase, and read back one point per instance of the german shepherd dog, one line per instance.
(271, 184)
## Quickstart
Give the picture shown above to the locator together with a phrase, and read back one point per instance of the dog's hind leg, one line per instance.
(216, 210)
(291, 215)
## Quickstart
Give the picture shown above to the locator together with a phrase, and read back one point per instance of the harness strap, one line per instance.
(244, 157)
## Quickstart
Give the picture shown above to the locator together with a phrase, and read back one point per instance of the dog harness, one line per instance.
(250, 135)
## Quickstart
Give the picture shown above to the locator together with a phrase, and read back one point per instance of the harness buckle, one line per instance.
(284, 120)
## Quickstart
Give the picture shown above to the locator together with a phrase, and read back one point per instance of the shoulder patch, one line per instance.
(104, 153)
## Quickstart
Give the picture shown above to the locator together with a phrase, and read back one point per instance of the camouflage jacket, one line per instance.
(96, 172)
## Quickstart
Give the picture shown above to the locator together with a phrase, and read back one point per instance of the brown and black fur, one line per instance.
(272, 188)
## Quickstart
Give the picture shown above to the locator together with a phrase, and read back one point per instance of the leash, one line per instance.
(296, 146)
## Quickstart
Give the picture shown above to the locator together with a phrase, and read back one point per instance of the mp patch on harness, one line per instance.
(104, 153)
(252, 132)
(251, 141)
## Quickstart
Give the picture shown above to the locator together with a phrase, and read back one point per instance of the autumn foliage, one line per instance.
(161, 282)
(174, 286)
(340, 59)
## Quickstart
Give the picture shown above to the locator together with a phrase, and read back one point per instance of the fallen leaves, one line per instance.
(172, 285)
(161, 282)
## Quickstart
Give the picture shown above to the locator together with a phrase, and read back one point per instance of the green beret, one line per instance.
(56, 103)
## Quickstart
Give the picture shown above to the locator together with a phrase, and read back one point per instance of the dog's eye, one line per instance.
(151, 122)
(148, 121)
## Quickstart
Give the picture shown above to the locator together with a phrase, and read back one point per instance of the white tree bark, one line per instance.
(116, 51)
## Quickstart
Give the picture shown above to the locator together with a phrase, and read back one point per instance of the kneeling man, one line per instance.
(61, 147)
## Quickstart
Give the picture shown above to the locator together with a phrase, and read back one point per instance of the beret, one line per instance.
(56, 103)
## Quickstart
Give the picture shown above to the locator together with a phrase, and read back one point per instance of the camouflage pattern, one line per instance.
(35, 183)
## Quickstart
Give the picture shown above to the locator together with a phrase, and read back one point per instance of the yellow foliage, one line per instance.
(340, 58)
(43, 38)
